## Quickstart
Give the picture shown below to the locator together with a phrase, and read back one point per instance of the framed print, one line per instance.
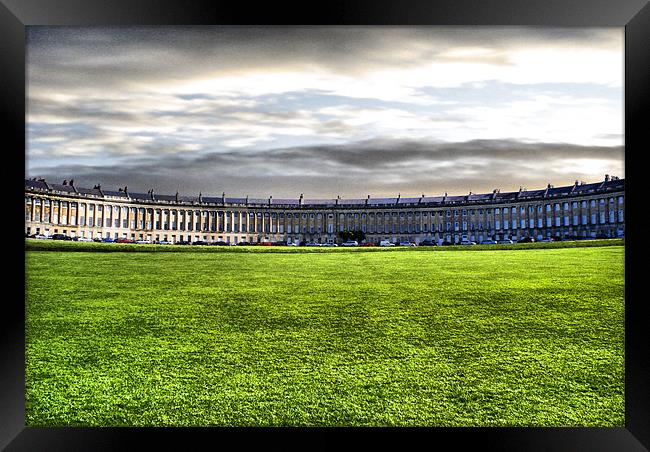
(410, 217)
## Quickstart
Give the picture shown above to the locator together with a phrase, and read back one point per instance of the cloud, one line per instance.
(378, 167)
(352, 110)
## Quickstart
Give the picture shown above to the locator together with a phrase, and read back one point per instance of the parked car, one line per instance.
(165, 242)
(200, 242)
(330, 244)
(427, 242)
(108, 240)
(312, 244)
(61, 237)
(143, 242)
(369, 244)
(292, 244)
(266, 244)
(406, 244)
(467, 242)
(244, 243)
(546, 239)
(84, 239)
(526, 240)
(184, 242)
(41, 237)
(506, 242)
(124, 240)
(350, 243)
(97, 240)
(386, 243)
(489, 242)
(279, 243)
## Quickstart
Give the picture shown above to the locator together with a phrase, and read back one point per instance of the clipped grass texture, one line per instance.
(477, 338)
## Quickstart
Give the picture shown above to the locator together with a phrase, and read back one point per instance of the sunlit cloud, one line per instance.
(383, 106)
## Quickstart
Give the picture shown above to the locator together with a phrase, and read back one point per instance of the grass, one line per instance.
(58, 245)
(477, 338)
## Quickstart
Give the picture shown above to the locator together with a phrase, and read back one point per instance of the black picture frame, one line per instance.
(634, 15)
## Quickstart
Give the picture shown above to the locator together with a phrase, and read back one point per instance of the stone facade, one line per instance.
(579, 210)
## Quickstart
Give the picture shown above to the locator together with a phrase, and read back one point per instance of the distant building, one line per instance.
(575, 211)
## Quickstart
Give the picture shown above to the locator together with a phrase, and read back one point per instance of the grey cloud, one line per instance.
(374, 167)
(65, 56)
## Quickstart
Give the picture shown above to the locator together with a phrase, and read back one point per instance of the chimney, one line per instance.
(399, 195)
(300, 200)
(176, 196)
(270, 200)
(606, 177)
(126, 190)
(367, 199)
(65, 181)
(246, 199)
(223, 197)
(200, 198)
(151, 193)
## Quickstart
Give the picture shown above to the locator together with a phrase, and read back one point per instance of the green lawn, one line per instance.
(475, 338)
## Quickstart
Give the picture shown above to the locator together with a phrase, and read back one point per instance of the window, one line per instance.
(574, 204)
(620, 200)
(583, 204)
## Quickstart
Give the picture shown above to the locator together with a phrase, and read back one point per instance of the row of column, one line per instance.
(154, 219)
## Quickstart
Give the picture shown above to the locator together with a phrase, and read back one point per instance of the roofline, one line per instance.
(496, 197)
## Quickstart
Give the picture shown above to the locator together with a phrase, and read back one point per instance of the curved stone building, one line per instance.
(574, 211)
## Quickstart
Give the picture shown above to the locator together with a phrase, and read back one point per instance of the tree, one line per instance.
(359, 236)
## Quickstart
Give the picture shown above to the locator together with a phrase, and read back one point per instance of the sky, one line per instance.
(324, 111)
